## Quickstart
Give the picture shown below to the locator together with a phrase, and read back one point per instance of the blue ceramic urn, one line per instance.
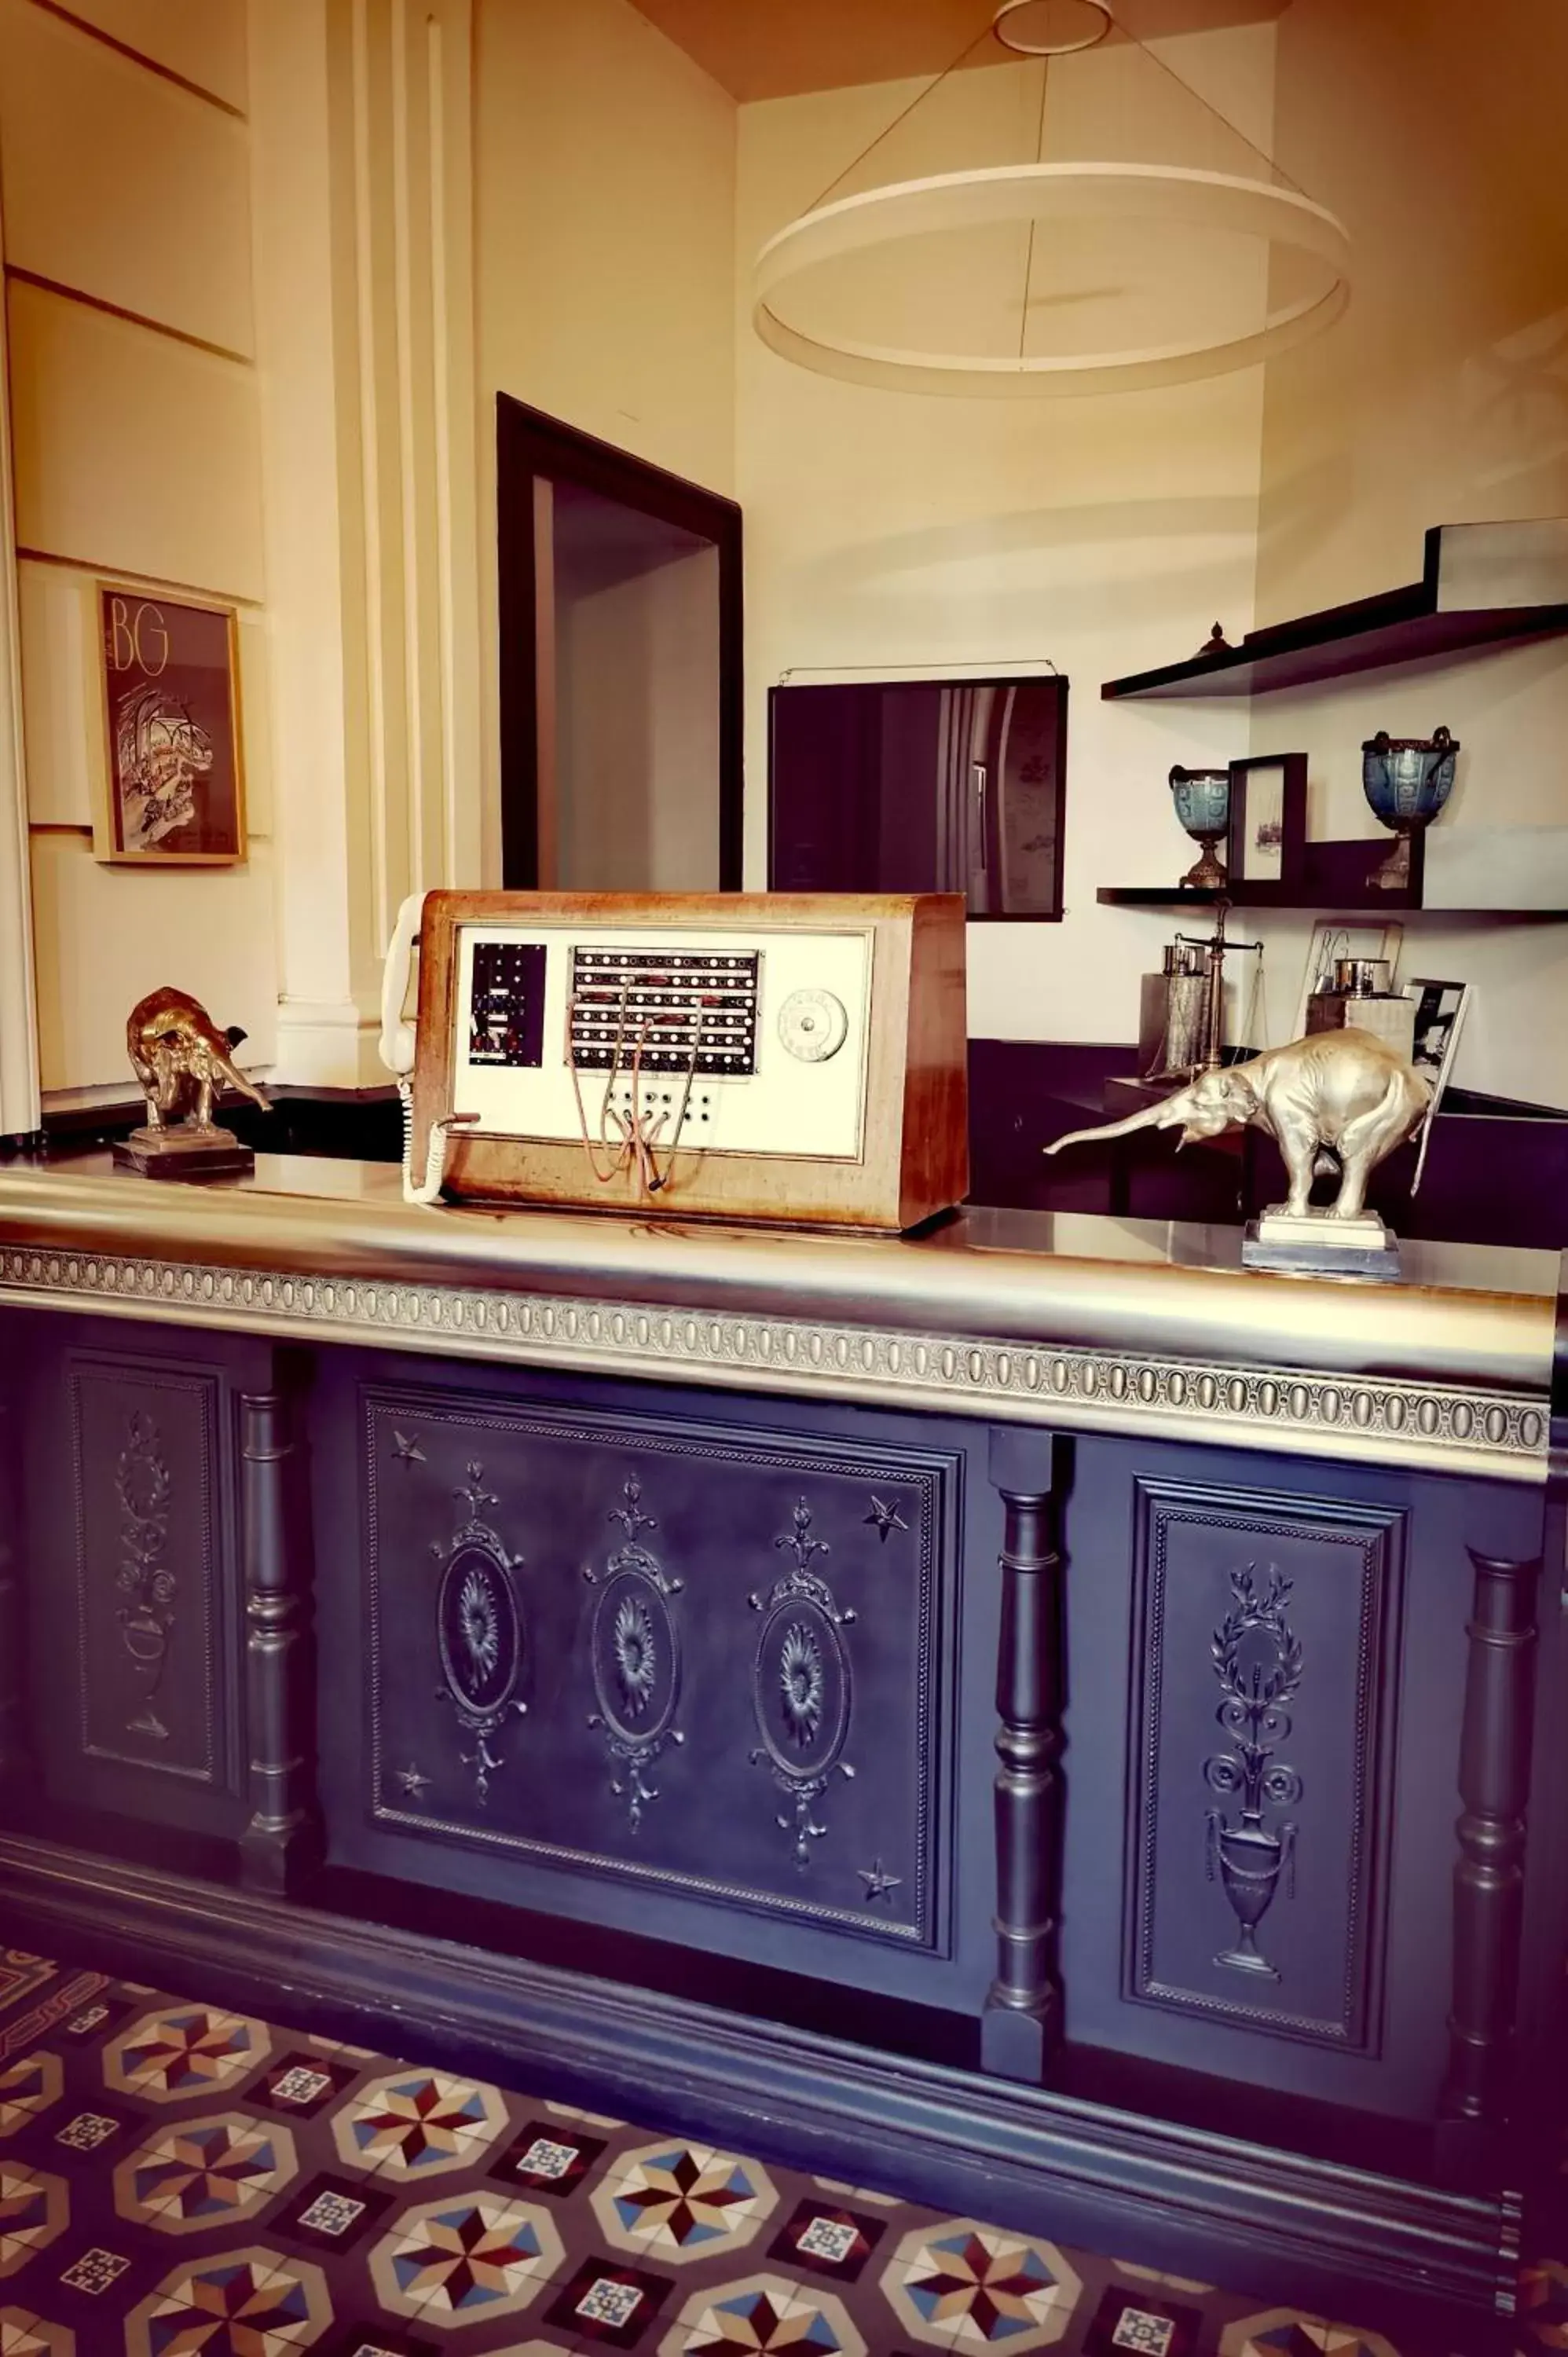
(1406, 781)
(1202, 799)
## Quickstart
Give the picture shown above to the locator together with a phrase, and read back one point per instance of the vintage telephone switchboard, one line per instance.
(767, 1055)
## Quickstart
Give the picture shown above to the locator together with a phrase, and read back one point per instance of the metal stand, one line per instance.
(1022, 2023)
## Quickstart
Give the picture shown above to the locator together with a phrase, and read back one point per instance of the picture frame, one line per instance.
(1333, 937)
(171, 790)
(1266, 839)
(1440, 1008)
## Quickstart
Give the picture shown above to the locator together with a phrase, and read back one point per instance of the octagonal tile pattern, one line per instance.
(177, 2179)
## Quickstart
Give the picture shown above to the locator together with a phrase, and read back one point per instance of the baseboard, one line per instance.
(1396, 2256)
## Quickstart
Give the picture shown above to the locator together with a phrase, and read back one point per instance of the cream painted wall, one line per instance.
(604, 165)
(1443, 397)
(137, 452)
(1103, 534)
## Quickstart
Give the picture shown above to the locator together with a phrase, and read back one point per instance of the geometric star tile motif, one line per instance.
(249, 2303)
(683, 2203)
(1281, 2332)
(1543, 2303)
(829, 2240)
(27, 2088)
(960, 2285)
(24, 2335)
(198, 2173)
(763, 2312)
(184, 2051)
(34, 2210)
(417, 2123)
(472, 2256)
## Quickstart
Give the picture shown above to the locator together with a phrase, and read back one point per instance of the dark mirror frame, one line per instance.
(529, 443)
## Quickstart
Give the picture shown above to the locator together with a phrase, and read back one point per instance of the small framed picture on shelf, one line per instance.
(171, 788)
(1439, 1012)
(1266, 844)
(1331, 941)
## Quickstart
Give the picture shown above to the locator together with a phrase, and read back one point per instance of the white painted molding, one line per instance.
(20, 1102)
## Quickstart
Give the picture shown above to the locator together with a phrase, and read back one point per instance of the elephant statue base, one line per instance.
(181, 1059)
(1319, 1244)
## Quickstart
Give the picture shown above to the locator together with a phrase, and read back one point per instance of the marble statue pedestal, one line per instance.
(1317, 1243)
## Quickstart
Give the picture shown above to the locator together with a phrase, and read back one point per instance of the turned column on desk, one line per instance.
(1022, 2024)
(283, 1838)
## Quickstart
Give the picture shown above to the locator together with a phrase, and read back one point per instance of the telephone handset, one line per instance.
(399, 1045)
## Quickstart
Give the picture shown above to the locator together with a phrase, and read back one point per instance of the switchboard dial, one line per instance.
(812, 1024)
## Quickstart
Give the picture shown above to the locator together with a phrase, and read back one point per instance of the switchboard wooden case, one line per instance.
(781, 1056)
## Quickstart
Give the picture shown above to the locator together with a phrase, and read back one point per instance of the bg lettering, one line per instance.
(137, 640)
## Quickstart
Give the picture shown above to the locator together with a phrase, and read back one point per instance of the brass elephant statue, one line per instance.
(1346, 1090)
(181, 1059)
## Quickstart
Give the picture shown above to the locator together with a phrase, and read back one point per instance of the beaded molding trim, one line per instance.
(1442, 1427)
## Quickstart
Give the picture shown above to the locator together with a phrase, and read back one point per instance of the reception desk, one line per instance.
(1031, 1710)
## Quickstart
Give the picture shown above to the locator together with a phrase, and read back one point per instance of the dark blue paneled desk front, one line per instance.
(1031, 1707)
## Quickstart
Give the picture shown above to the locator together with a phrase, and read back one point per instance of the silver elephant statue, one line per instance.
(1345, 1090)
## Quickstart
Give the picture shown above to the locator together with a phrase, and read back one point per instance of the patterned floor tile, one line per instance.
(190, 2175)
(828, 2239)
(21, 1973)
(398, 2210)
(414, 2125)
(23, 2334)
(467, 2257)
(1144, 2322)
(27, 2088)
(1284, 2332)
(175, 2052)
(608, 2303)
(961, 2285)
(677, 2203)
(35, 2211)
(248, 2303)
(763, 2312)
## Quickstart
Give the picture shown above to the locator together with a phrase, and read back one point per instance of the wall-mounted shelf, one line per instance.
(1334, 881)
(1482, 585)
(1259, 896)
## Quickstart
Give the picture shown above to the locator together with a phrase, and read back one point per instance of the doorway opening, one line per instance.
(620, 668)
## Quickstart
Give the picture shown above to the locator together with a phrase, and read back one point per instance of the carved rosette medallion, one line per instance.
(635, 1652)
(143, 1486)
(801, 1685)
(479, 1631)
(1257, 1660)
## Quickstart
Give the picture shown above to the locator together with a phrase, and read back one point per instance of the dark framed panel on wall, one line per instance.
(620, 667)
(928, 785)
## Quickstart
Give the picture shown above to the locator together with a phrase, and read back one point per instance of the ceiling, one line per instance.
(776, 48)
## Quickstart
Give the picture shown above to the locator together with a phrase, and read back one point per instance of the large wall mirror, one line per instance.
(620, 668)
(922, 786)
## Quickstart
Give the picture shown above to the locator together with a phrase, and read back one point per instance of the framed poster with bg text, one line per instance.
(171, 790)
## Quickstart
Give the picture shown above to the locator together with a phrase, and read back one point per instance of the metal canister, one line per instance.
(1173, 1011)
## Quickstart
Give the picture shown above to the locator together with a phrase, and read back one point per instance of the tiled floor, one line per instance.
(175, 2179)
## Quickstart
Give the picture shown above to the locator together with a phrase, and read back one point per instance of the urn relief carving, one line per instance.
(146, 1617)
(1257, 1660)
